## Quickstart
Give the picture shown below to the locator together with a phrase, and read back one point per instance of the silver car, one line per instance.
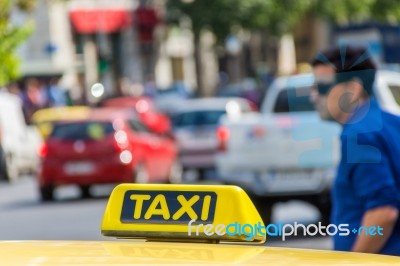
(195, 128)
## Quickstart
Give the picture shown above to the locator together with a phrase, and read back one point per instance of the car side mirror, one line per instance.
(160, 124)
(170, 135)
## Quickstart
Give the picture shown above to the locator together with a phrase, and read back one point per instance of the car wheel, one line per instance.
(176, 173)
(85, 192)
(47, 193)
(264, 207)
(140, 175)
(201, 174)
(10, 169)
(3, 170)
(190, 175)
(325, 207)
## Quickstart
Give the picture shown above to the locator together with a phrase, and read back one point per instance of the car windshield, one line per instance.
(292, 100)
(82, 130)
(197, 118)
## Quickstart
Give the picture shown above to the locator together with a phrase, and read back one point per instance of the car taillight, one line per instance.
(223, 135)
(120, 140)
(257, 132)
(125, 157)
(43, 150)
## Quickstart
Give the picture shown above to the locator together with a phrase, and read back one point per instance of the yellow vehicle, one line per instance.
(45, 118)
(177, 224)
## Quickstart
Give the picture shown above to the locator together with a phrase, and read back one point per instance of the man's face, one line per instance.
(322, 74)
(338, 101)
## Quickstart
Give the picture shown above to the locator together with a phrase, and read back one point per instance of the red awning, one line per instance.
(97, 20)
(147, 20)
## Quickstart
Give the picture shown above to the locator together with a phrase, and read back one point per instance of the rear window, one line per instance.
(395, 89)
(82, 131)
(294, 100)
(137, 126)
(197, 118)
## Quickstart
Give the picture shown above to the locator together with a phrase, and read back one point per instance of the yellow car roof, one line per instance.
(133, 252)
(60, 113)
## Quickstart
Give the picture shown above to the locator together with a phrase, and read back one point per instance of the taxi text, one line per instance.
(176, 207)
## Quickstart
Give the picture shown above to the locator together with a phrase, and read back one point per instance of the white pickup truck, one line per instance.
(287, 152)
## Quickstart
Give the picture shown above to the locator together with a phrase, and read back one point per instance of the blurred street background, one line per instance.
(198, 79)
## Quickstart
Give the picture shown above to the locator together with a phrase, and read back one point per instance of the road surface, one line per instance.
(24, 217)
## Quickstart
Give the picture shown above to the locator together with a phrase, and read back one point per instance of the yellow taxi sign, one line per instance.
(203, 213)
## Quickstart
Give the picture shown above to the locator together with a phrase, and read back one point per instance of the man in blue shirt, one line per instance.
(366, 191)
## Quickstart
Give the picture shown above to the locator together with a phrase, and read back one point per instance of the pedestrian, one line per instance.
(150, 87)
(366, 190)
(55, 94)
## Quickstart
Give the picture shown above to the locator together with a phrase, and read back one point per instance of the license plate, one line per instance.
(202, 135)
(79, 168)
(292, 181)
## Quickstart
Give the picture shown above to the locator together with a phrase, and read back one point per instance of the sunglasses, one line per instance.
(323, 88)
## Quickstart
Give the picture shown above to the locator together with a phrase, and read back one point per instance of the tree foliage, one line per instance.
(10, 37)
(217, 15)
(277, 16)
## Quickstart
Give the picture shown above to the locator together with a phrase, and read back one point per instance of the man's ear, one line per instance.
(356, 88)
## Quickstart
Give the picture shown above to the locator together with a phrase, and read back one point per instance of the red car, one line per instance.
(146, 110)
(109, 147)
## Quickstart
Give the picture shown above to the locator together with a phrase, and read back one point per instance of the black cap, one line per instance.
(350, 62)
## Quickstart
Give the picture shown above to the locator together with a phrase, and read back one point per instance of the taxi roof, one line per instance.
(60, 113)
(46, 253)
(104, 114)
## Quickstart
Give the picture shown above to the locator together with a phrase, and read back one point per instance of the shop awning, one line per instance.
(87, 21)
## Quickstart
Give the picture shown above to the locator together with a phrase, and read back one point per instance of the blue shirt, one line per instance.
(368, 174)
